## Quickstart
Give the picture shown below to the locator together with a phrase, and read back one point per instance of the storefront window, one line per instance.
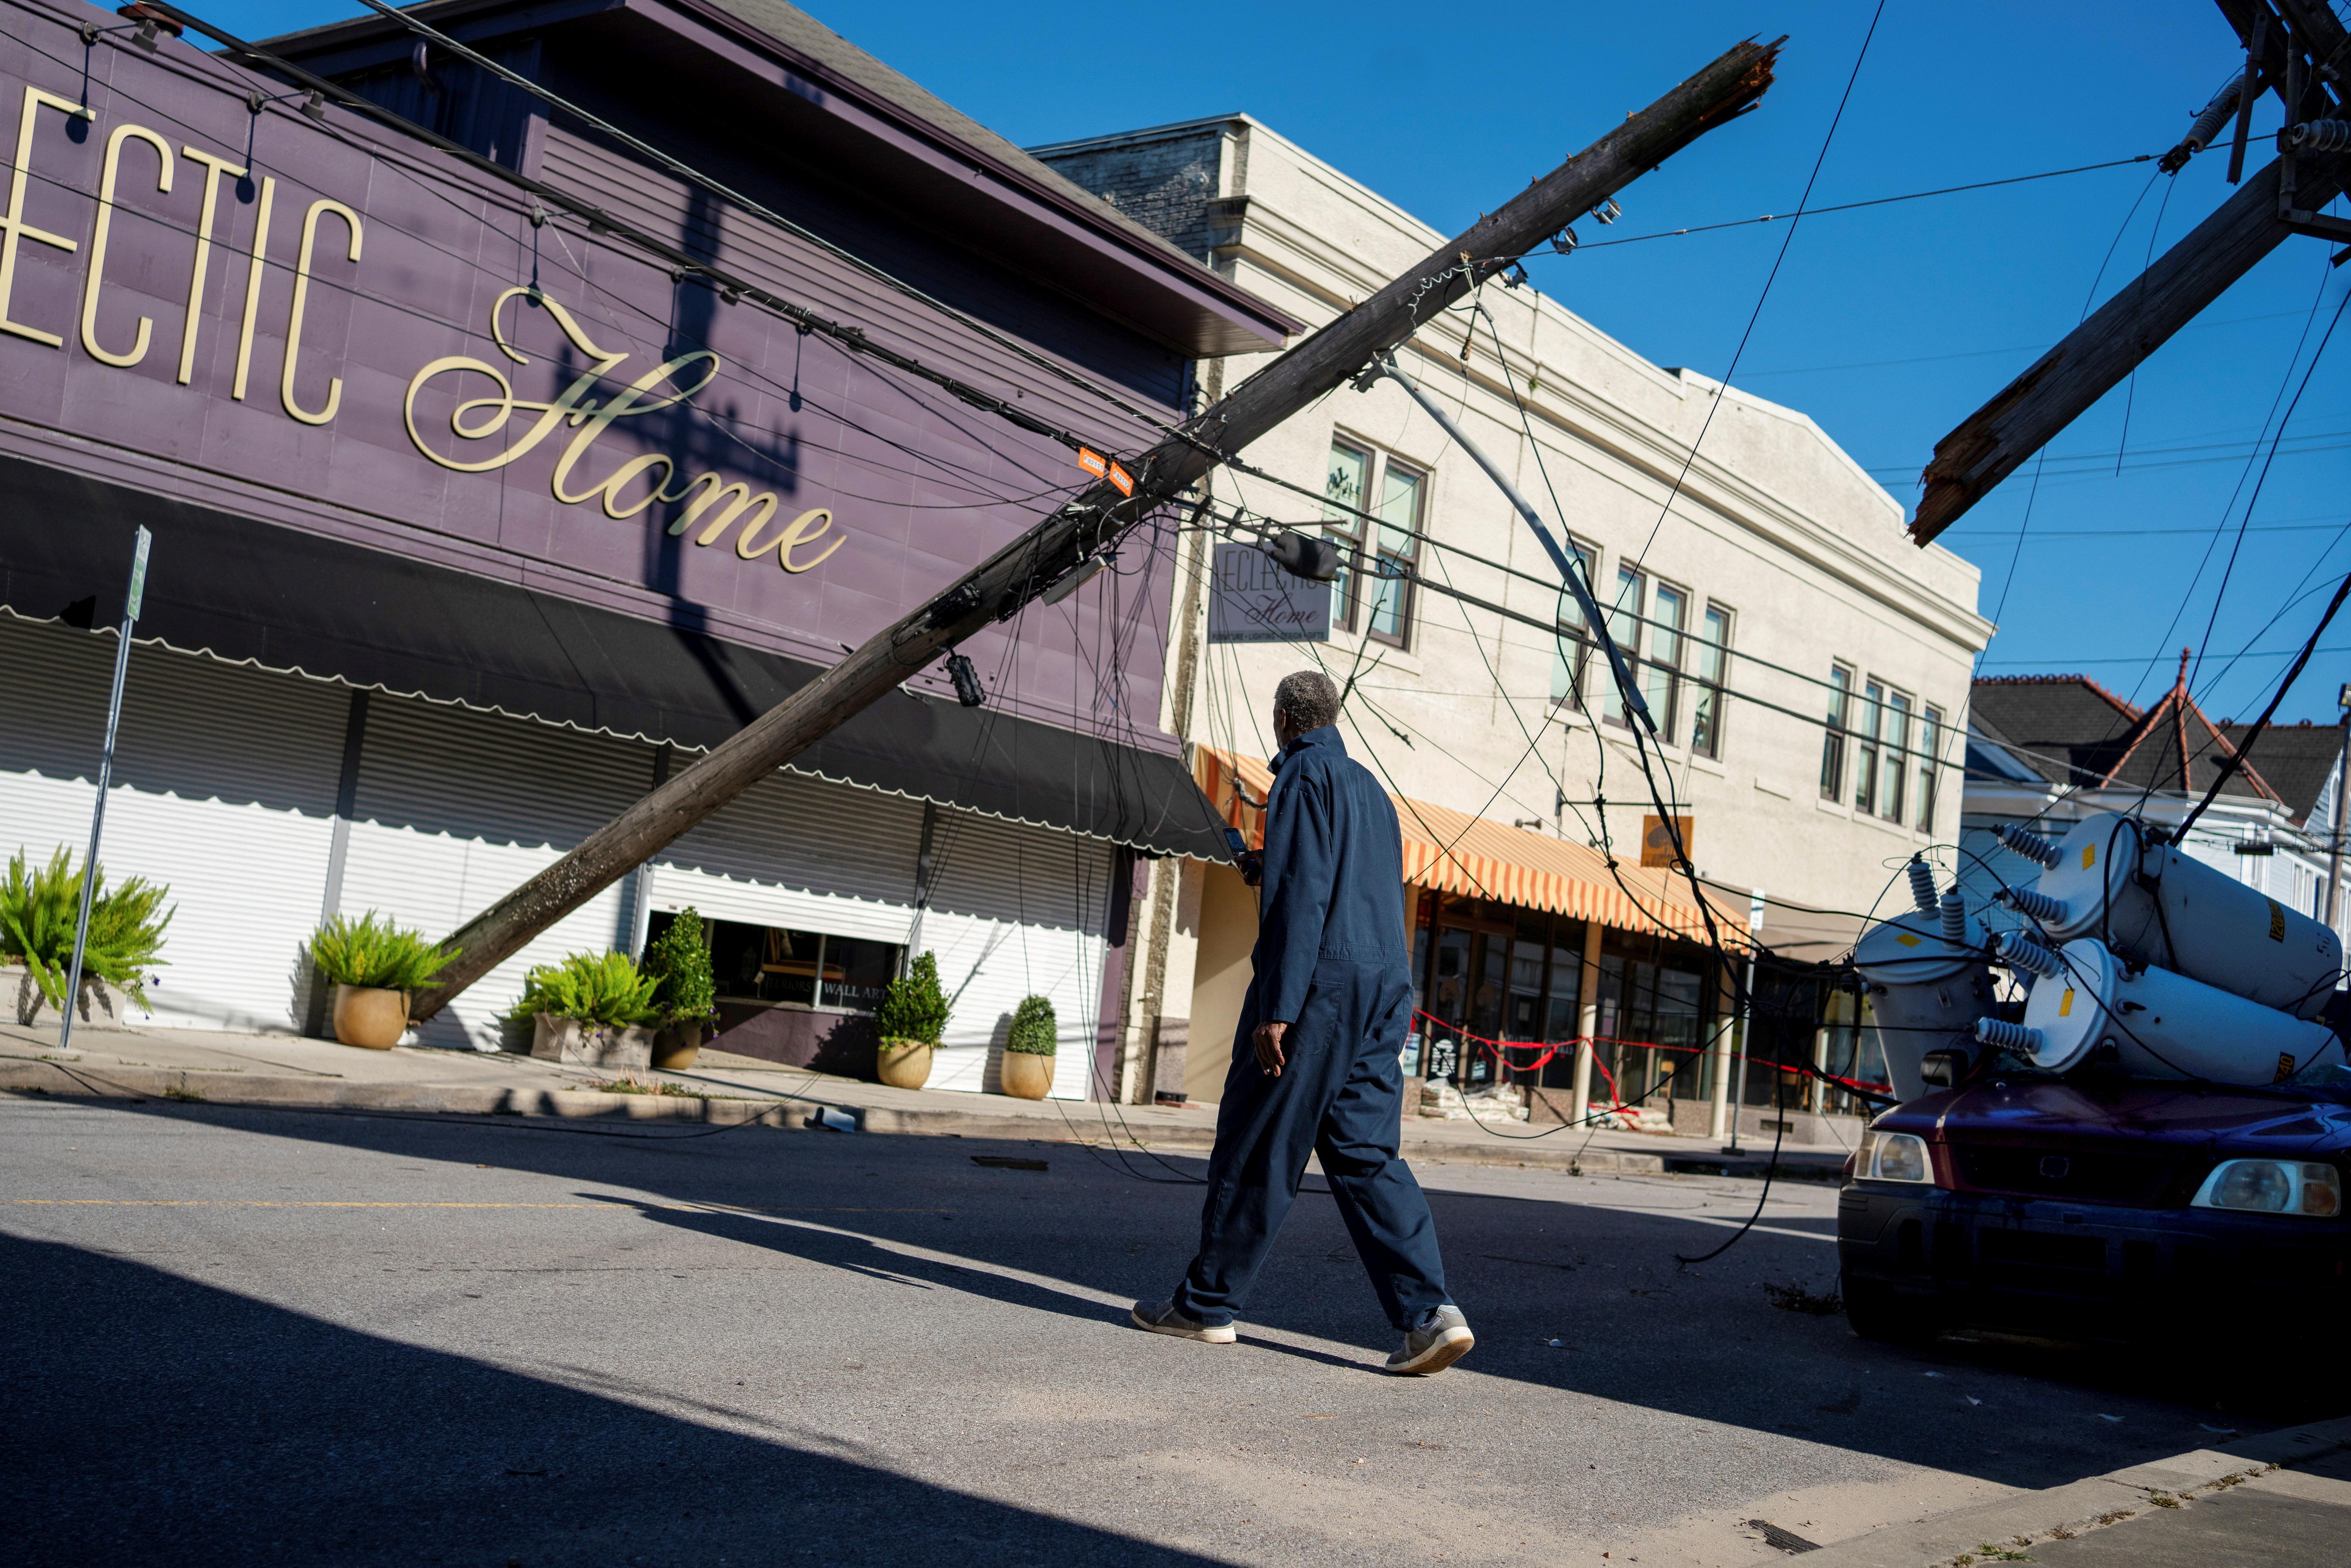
(807, 968)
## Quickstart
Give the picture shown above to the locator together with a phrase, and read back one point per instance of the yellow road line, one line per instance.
(427, 1205)
(290, 1203)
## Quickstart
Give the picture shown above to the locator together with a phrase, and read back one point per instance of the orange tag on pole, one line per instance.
(1119, 476)
(1092, 461)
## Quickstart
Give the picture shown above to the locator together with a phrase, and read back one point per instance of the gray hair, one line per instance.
(1308, 699)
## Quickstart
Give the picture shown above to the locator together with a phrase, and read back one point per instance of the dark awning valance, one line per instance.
(252, 592)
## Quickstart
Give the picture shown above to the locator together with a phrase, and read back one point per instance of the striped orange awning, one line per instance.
(1477, 857)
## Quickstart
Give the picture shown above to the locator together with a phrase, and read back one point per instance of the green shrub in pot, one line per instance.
(1029, 1048)
(912, 1019)
(374, 966)
(685, 993)
(601, 989)
(39, 908)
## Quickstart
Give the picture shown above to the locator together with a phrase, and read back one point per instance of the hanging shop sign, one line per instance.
(311, 321)
(1251, 600)
(1657, 844)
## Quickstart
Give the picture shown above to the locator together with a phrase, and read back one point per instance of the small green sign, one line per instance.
(138, 575)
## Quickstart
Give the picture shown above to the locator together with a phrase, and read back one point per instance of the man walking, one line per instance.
(1316, 1060)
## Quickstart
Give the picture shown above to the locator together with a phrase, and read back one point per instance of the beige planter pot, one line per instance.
(905, 1063)
(676, 1049)
(1028, 1076)
(578, 1044)
(371, 1016)
(103, 1006)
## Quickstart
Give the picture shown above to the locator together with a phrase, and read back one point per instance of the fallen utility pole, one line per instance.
(1081, 529)
(2294, 52)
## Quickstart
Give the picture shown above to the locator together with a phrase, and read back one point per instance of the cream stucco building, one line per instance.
(1809, 665)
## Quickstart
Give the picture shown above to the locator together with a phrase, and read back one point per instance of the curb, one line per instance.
(2018, 1523)
(61, 1079)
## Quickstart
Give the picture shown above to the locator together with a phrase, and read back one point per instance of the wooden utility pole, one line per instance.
(998, 587)
(2293, 46)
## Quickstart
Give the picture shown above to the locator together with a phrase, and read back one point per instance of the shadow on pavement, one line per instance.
(156, 1421)
(1630, 1324)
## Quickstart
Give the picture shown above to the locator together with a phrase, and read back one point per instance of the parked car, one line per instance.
(2124, 1210)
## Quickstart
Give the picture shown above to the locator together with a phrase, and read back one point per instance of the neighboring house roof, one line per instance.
(2298, 759)
(2075, 732)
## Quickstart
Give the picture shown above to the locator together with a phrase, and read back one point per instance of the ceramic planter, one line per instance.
(370, 1016)
(905, 1063)
(676, 1048)
(578, 1043)
(1028, 1076)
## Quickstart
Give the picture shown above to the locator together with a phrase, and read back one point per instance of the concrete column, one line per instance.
(1587, 1023)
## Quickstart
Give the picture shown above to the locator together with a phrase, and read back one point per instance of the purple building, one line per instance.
(490, 481)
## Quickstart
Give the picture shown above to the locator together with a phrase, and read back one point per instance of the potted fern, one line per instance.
(374, 966)
(590, 1010)
(686, 994)
(912, 1018)
(38, 911)
(1028, 1046)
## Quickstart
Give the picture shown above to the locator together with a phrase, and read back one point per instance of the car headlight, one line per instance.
(1893, 1156)
(2274, 1186)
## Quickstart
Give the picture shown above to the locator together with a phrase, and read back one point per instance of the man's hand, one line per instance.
(1265, 1039)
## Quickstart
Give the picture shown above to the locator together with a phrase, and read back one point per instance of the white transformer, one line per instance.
(1929, 982)
(2153, 903)
(2159, 1024)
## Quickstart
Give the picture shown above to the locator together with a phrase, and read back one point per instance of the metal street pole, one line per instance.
(1747, 1017)
(105, 777)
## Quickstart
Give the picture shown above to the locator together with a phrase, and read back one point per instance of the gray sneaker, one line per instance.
(1440, 1339)
(1161, 1317)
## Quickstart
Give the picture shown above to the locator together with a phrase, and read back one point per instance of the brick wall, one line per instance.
(1164, 184)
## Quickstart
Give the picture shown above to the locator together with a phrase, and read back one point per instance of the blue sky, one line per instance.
(1887, 326)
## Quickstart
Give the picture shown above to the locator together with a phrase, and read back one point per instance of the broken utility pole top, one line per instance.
(2290, 50)
(1065, 541)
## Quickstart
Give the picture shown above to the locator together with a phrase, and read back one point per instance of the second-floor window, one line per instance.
(1895, 735)
(1930, 743)
(1709, 656)
(1865, 752)
(1646, 621)
(1373, 591)
(1571, 656)
(1833, 742)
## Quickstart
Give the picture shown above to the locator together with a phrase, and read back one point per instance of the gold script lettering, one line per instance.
(318, 208)
(96, 277)
(13, 227)
(716, 506)
(215, 167)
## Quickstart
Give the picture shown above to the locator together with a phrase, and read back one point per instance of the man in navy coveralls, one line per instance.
(1317, 1059)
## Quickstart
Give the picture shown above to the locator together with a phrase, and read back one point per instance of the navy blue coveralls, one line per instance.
(1330, 962)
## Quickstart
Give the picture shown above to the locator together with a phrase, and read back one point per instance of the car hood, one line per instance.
(2021, 1111)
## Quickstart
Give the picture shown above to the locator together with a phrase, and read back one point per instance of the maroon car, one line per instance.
(2104, 1211)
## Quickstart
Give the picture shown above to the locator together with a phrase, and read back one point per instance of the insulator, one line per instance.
(2035, 905)
(967, 689)
(2320, 136)
(2005, 1036)
(1955, 919)
(2216, 114)
(2041, 852)
(2023, 953)
(1922, 884)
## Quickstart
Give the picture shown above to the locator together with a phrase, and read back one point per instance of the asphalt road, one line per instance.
(278, 1336)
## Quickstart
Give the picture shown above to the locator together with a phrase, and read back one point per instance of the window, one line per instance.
(1896, 734)
(1833, 741)
(1930, 742)
(1374, 588)
(1710, 651)
(1864, 790)
(1655, 666)
(772, 965)
(1570, 653)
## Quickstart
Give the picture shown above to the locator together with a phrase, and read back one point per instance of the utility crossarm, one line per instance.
(2299, 48)
(1082, 529)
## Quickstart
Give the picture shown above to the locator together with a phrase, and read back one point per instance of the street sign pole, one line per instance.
(105, 775)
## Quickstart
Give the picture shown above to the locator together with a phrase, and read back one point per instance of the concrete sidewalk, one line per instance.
(2279, 1501)
(286, 1070)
